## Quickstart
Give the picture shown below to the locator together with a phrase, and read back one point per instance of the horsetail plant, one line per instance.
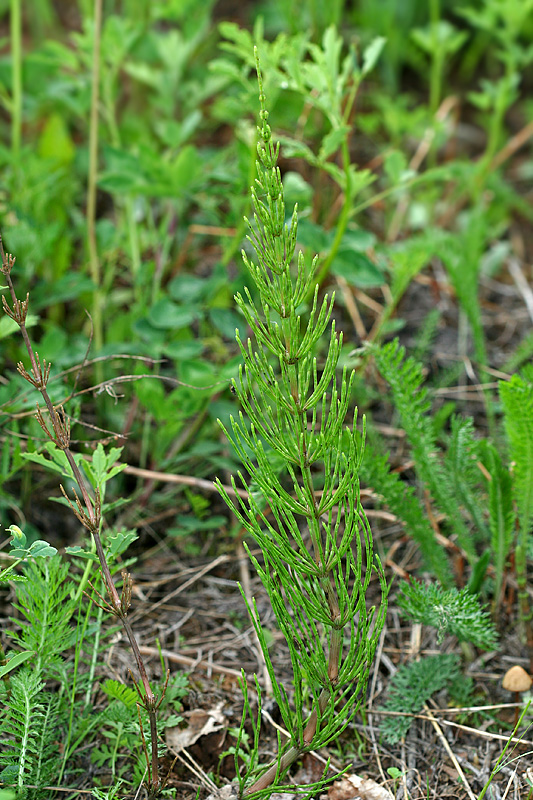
(303, 463)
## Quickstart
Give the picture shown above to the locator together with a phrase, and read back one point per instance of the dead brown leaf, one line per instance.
(201, 723)
(352, 787)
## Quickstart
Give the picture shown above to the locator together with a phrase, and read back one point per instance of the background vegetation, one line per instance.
(127, 152)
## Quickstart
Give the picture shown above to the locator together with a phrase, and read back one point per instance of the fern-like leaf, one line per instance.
(449, 611)
(517, 399)
(119, 691)
(461, 464)
(412, 402)
(47, 759)
(501, 512)
(45, 603)
(411, 687)
(403, 502)
(21, 727)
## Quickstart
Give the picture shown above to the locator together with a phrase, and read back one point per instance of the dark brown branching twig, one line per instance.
(89, 512)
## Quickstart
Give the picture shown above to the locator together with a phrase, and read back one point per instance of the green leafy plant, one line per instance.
(412, 686)
(318, 558)
(483, 496)
(439, 41)
(434, 185)
(504, 23)
(19, 552)
(88, 511)
(55, 620)
(326, 81)
(412, 403)
(451, 611)
(32, 713)
(517, 399)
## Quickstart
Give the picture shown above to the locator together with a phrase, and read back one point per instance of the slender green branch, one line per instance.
(16, 67)
(94, 264)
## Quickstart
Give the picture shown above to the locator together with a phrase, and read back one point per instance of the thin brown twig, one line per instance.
(371, 711)
(450, 752)
(485, 734)
(351, 307)
(183, 587)
(188, 761)
(102, 386)
(463, 710)
(187, 661)
(515, 143)
(89, 511)
(187, 480)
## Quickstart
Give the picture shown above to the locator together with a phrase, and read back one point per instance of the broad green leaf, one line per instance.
(18, 659)
(120, 542)
(226, 321)
(79, 552)
(41, 549)
(295, 149)
(67, 287)
(185, 168)
(151, 394)
(183, 348)
(197, 373)
(154, 337)
(118, 503)
(99, 462)
(168, 315)
(357, 269)
(371, 54)
(113, 454)
(358, 240)
(38, 458)
(55, 142)
(314, 236)
(57, 462)
(115, 471)
(19, 537)
(332, 141)
(187, 288)
(297, 190)
(8, 326)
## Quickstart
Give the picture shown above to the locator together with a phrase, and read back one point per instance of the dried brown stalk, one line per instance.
(89, 512)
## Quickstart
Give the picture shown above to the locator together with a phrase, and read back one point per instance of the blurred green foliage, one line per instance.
(373, 153)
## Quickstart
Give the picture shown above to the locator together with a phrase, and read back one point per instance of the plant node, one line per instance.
(20, 309)
(41, 372)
